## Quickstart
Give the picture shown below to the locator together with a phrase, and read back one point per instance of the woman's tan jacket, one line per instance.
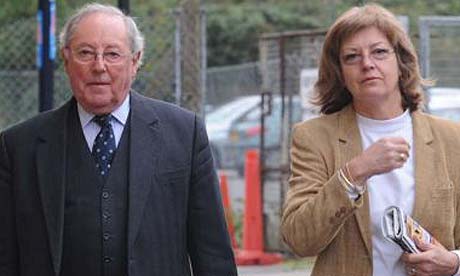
(319, 219)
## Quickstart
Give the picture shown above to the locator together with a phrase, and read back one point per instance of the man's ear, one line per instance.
(137, 62)
(65, 54)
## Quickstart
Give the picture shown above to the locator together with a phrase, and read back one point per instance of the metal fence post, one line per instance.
(204, 60)
(178, 58)
(424, 32)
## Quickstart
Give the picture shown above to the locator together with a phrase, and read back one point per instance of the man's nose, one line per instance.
(99, 64)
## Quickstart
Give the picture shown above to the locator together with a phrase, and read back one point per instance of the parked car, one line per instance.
(444, 102)
(235, 127)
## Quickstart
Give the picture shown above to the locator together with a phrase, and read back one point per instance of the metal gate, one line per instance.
(439, 59)
(284, 57)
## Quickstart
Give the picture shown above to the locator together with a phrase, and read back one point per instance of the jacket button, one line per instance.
(106, 236)
(107, 260)
(105, 195)
(105, 215)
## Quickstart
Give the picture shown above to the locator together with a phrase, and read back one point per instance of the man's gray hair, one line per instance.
(135, 37)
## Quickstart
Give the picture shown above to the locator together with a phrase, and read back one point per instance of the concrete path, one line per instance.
(272, 270)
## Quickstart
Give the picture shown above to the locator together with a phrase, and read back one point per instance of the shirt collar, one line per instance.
(120, 114)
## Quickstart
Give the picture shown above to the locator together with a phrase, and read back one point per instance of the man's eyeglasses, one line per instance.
(380, 53)
(86, 56)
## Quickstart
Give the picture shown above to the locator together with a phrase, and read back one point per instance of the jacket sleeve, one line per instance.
(208, 241)
(316, 206)
(8, 243)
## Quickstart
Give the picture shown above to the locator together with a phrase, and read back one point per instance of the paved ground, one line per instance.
(272, 270)
(292, 267)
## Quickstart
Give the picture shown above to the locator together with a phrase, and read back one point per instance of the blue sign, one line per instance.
(52, 52)
(52, 35)
(39, 59)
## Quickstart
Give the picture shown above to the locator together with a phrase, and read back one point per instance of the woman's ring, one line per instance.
(402, 157)
(413, 271)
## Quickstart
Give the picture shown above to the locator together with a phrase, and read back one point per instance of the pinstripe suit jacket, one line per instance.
(320, 220)
(175, 218)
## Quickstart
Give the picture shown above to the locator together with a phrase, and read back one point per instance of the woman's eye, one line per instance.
(351, 57)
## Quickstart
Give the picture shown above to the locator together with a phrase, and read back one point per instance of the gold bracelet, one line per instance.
(347, 169)
(359, 189)
(345, 183)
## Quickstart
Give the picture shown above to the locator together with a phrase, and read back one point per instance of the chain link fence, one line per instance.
(156, 76)
(172, 65)
(18, 77)
(226, 83)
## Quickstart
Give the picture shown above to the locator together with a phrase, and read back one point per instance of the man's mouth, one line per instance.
(98, 83)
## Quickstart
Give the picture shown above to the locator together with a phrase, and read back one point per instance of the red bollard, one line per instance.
(253, 238)
(252, 224)
(227, 208)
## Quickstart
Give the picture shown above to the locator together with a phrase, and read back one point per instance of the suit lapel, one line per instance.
(145, 146)
(350, 146)
(425, 168)
(50, 164)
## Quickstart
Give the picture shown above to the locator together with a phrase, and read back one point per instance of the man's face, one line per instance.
(99, 63)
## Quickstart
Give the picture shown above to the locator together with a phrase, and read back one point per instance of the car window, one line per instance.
(231, 110)
(444, 102)
(253, 115)
(450, 114)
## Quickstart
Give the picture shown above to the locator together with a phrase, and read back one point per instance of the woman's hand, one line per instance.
(435, 260)
(383, 156)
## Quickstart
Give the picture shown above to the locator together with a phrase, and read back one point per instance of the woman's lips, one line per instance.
(370, 79)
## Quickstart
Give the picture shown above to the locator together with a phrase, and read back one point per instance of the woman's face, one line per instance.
(370, 71)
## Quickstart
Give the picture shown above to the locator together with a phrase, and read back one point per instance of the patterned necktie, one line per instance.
(104, 145)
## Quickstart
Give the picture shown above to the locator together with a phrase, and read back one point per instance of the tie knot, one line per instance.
(102, 120)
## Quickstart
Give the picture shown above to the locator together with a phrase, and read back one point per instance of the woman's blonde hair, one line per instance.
(330, 91)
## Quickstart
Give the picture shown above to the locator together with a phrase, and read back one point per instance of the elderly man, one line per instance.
(111, 183)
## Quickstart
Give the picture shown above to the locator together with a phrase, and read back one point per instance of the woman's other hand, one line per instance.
(434, 260)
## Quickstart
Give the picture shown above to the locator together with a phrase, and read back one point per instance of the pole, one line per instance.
(46, 51)
(124, 6)
(178, 58)
(204, 60)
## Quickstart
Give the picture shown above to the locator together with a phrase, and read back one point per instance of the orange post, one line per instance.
(253, 238)
(252, 224)
(227, 208)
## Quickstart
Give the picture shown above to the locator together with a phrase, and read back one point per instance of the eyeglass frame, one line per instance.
(95, 54)
(371, 55)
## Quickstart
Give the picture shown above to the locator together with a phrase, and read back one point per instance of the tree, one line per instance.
(233, 30)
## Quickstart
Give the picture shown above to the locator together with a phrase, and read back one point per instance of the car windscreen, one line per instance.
(230, 111)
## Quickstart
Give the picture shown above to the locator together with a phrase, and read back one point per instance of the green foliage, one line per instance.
(13, 10)
(233, 30)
